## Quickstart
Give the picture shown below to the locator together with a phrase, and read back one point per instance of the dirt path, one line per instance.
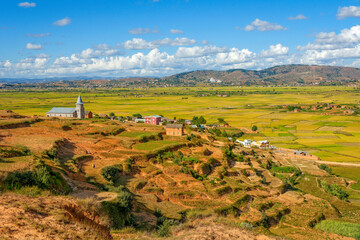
(345, 164)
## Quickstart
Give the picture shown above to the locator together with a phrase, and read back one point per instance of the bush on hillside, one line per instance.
(42, 176)
(119, 210)
(334, 190)
(111, 173)
(325, 168)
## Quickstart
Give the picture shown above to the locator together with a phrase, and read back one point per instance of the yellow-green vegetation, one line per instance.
(342, 228)
(155, 145)
(332, 137)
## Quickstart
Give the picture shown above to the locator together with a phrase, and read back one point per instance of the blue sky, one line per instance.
(119, 38)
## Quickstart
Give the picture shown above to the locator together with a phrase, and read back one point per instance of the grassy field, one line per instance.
(341, 228)
(331, 137)
(154, 145)
(137, 135)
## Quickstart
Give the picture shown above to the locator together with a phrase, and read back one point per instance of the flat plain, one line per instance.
(333, 137)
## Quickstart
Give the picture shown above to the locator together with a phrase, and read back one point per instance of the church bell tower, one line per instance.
(80, 110)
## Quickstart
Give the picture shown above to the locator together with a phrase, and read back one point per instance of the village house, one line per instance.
(88, 114)
(154, 120)
(77, 112)
(174, 129)
(246, 143)
(264, 144)
(302, 153)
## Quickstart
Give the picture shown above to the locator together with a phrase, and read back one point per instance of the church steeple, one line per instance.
(79, 101)
(80, 110)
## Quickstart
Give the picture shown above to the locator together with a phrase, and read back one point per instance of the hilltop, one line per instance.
(296, 75)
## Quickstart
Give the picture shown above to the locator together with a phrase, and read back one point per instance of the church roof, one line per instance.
(62, 110)
(79, 101)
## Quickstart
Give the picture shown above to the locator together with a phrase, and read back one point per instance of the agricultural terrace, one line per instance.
(332, 137)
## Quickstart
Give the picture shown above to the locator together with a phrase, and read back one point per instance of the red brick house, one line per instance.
(154, 120)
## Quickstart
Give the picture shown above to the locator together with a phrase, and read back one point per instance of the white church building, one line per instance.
(77, 112)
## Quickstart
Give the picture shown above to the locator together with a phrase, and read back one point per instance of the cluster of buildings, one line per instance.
(263, 144)
(333, 108)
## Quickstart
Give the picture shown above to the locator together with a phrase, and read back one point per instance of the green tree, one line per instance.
(137, 115)
(221, 120)
(254, 128)
(195, 120)
(110, 173)
(201, 120)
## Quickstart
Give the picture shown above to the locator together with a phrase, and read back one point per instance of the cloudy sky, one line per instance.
(120, 38)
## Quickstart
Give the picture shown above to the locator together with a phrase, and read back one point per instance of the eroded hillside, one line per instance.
(200, 182)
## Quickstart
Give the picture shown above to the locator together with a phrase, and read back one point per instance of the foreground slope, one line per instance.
(196, 181)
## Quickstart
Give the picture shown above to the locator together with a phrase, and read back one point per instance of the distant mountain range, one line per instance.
(278, 75)
(286, 74)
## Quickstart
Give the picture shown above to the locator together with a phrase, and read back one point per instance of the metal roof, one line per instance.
(62, 110)
(174, 126)
(79, 101)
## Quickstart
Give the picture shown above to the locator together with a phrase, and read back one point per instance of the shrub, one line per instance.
(119, 210)
(223, 190)
(42, 176)
(52, 153)
(17, 180)
(325, 168)
(110, 173)
(224, 211)
(242, 200)
(17, 151)
(164, 229)
(334, 190)
(117, 131)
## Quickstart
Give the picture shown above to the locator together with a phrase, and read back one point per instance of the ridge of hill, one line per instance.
(279, 75)
(285, 74)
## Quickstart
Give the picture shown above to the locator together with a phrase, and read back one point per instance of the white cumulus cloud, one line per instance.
(275, 50)
(345, 12)
(63, 22)
(261, 25)
(139, 43)
(196, 51)
(331, 40)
